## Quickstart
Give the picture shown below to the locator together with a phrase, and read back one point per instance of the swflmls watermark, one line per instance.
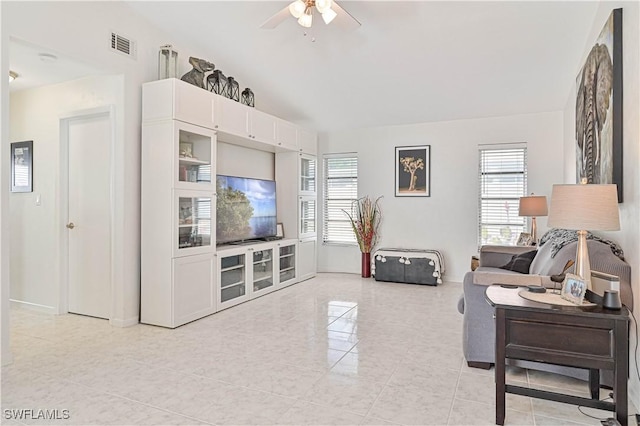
(36, 414)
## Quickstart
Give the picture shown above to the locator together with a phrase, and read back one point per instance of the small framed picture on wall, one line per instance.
(22, 166)
(413, 171)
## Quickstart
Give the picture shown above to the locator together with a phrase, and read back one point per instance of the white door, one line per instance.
(89, 222)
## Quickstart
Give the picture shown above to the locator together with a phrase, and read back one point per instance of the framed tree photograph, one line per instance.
(413, 171)
(22, 166)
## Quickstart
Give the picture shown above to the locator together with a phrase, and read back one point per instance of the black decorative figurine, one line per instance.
(218, 83)
(196, 75)
(247, 97)
(234, 89)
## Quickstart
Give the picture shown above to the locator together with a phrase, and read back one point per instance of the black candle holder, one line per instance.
(234, 89)
(218, 83)
(248, 98)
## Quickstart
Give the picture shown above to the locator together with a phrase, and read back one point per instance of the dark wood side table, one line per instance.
(595, 339)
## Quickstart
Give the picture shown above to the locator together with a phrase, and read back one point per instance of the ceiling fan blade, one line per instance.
(344, 19)
(276, 19)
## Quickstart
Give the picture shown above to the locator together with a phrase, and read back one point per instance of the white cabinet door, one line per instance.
(232, 117)
(194, 105)
(307, 263)
(286, 135)
(262, 127)
(232, 277)
(193, 289)
(307, 141)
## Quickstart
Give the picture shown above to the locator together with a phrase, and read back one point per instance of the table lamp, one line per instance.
(533, 206)
(584, 207)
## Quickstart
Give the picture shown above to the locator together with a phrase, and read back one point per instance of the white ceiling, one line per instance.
(409, 62)
(38, 66)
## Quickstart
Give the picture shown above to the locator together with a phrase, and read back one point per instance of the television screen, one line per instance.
(245, 209)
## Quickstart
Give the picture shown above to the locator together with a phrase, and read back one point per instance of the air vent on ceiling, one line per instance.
(122, 44)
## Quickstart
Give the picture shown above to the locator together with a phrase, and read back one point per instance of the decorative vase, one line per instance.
(366, 265)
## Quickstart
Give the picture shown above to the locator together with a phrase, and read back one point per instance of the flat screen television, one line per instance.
(245, 209)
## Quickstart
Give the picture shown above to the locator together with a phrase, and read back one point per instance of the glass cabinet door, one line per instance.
(232, 278)
(194, 157)
(307, 216)
(194, 223)
(307, 174)
(262, 269)
(287, 263)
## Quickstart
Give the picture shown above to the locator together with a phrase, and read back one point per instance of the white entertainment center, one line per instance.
(186, 131)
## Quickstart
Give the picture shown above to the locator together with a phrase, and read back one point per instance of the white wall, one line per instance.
(5, 173)
(629, 235)
(35, 230)
(446, 221)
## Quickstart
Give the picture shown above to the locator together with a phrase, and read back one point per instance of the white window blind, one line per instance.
(503, 180)
(340, 191)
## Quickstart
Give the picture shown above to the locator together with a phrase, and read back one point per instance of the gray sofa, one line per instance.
(478, 323)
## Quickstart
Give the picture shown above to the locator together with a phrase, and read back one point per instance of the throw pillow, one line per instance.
(520, 262)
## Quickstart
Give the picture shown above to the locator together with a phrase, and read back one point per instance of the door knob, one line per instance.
(70, 225)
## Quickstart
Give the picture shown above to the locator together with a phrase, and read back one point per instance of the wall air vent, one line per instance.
(123, 45)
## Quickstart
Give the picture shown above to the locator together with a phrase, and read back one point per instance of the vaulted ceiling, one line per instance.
(409, 62)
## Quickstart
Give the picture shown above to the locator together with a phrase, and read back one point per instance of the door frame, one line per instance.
(63, 206)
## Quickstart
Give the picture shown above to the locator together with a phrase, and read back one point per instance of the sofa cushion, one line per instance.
(520, 262)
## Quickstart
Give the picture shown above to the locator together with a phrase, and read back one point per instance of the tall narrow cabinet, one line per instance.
(178, 220)
(301, 222)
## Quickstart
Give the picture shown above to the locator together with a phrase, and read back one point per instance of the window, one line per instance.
(340, 191)
(503, 180)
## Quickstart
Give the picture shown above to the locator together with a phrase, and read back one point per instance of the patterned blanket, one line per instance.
(559, 238)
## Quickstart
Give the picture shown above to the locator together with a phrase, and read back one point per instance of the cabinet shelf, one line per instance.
(266, 277)
(191, 160)
(239, 283)
(287, 269)
(282, 256)
(257, 262)
(231, 268)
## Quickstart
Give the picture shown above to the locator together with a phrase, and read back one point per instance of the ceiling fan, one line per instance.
(302, 10)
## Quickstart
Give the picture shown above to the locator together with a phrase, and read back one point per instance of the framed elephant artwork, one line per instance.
(599, 109)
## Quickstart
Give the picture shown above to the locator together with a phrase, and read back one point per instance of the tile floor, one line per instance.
(334, 350)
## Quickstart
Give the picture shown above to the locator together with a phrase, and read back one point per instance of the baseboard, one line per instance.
(124, 323)
(19, 304)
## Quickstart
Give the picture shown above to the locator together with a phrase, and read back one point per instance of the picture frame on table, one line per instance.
(279, 230)
(525, 239)
(22, 166)
(574, 289)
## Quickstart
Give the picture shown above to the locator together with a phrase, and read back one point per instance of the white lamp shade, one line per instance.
(584, 207)
(306, 20)
(533, 206)
(323, 5)
(328, 16)
(297, 8)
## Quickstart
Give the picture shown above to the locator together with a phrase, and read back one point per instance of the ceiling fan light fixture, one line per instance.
(306, 20)
(328, 16)
(323, 5)
(297, 8)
